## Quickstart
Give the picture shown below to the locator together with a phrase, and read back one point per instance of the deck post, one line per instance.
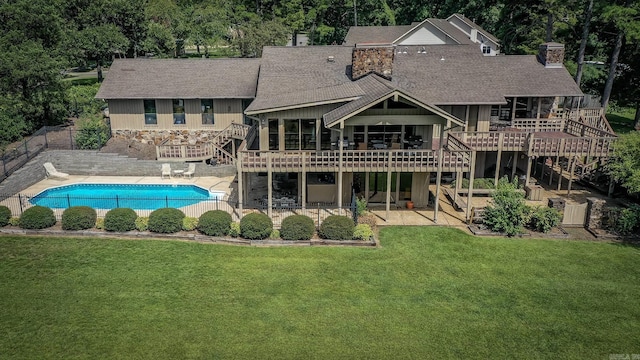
(514, 164)
(456, 189)
(472, 174)
(304, 181)
(427, 184)
(269, 186)
(388, 201)
(438, 181)
(560, 173)
(551, 171)
(240, 184)
(341, 152)
(397, 187)
(529, 163)
(366, 186)
(498, 159)
(573, 169)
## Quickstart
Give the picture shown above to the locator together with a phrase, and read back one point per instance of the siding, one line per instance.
(129, 114)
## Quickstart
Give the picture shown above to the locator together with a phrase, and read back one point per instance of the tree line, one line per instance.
(41, 38)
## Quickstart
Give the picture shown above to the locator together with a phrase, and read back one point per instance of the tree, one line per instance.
(588, 13)
(626, 20)
(507, 210)
(624, 164)
(254, 35)
(99, 43)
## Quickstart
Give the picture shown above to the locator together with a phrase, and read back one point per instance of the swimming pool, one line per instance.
(135, 196)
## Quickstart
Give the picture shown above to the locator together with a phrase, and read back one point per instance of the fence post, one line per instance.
(117, 202)
(68, 201)
(26, 148)
(46, 141)
(166, 201)
(71, 139)
(318, 205)
(20, 202)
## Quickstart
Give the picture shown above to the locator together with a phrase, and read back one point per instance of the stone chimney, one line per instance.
(372, 59)
(551, 55)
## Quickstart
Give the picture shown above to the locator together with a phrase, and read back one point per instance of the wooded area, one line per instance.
(40, 39)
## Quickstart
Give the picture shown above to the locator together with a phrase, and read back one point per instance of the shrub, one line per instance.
(275, 234)
(78, 218)
(628, 220)
(234, 229)
(215, 223)
(297, 227)
(92, 133)
(361, 206)
(507, 210)
(142, 223)
(37, 217)
(362, 232)
(337, 228)
(479, 183)
(14, 221)
(5, 215)
(189, 223)
(100, 224)
(166, 220)
(120, 220)
(256, 226)
(544, 218)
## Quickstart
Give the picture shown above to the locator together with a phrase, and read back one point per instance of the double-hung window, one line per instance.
(207, 111)
(178, 112)
(150, 114)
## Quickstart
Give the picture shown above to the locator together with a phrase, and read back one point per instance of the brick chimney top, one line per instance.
(551, 55)
(372, 59)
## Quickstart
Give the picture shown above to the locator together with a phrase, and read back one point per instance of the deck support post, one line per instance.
(341, 152)
(514, 165)
(456, 189)
(427, 182)
(269, 186)
(366, 186)
(498, 159)
(240, 184)
(438, 181)
(388, 202)
(551, 171)
(472, 174)
(529, 163)
(397, 187)
(304, 181)
(560, 173)
(573, 169)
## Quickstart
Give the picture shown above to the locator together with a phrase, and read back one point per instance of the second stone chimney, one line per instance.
(551, 55)
(372, 59)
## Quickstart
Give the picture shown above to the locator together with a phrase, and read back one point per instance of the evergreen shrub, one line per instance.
(79, 218)
(166, 220)
(215, 223)
(256, 226)
(337, 227)
(120, 220)
(297, 227)
(37, 217)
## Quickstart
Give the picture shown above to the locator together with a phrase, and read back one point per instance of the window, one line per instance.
(178, 112)
(486, 49)
(207, 111)
(274, 140)
(292, 134)
(300, 134)
(150, 115)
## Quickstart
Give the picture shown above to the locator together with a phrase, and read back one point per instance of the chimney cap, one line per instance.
(331, 58)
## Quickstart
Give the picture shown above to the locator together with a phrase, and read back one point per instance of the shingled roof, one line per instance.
(472, 24)
(180, 78)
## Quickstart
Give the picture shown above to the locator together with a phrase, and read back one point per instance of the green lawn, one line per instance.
(429, 292)
(621, 120)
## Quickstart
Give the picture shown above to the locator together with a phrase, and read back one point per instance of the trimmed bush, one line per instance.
(275, 234)
(14, 221)
(5, 215)
(120, 220)
(142, 223)
(215, 223)
(362, 232)
(166, 220)
(79, 218)
(337, 227)
(297, 227)
(37, 217)
(545, 218)
(189, 223)
(234, 229)
(256, 226)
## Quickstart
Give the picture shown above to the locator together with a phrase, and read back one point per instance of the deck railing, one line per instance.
(353, 160)
(180, 152)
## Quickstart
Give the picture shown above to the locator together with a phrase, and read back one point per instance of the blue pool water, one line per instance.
(135, 196)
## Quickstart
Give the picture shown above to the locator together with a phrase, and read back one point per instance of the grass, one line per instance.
(429, 292)
(621, 120)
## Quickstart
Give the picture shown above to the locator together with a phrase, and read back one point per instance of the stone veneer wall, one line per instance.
(595, 210)
(155, 137)
(378, 60)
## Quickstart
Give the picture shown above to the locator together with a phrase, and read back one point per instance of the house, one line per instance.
(382, 115)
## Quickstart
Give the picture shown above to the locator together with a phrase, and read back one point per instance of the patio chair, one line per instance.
(166, 171)
(53, 173)
(190, 170)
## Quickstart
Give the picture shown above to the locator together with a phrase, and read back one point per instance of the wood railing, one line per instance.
(569, 146)
(490, 141)
(178, 152)
(353, 160)
(578, 128)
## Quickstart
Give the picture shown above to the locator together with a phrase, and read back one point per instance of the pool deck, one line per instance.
(209, 182)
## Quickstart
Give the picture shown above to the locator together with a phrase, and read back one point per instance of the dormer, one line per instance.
(489, 44)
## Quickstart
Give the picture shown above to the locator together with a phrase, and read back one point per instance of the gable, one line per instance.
(427, 34)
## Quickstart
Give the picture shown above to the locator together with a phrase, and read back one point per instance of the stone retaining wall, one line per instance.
(155, 137)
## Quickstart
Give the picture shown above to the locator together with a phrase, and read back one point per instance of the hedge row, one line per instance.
(253, 226)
